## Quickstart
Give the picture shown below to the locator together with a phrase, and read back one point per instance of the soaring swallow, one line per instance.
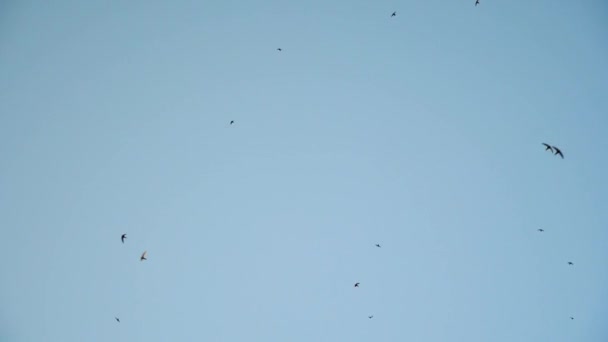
(123, 237)
(572, 318)
(279, 49)
(356, 284)
(558, 151)
(476, 2)
(570, 263)
(541, 230)
(378, 245)
(370, 317)
(117, 320)
(143, 256)
(394, 14)
(548, 147)
(231, 122)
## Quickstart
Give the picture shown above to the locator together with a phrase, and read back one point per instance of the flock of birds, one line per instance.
(141, 258)
(556, 151)
(553, 149)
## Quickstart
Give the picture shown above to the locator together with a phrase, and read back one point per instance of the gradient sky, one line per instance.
(420, 132)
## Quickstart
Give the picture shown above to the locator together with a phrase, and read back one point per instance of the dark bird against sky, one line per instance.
(123, 237)
(548, 147)
(117, 320)
(394, 14)
(558, 152)
(370, 317)
(541, 230)
(143, 256)
(231, 122)
(279, 49)
(476, 2)
(378, 245)
(356, 284)
(570, 263)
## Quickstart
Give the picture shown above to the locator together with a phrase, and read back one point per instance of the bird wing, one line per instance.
(143, 255)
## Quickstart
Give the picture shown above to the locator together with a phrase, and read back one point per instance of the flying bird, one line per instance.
(548, 147)
(231, 122)
(558, 151)
(123, 237)
(541, 230)
(143, 256)
(394, 14)
(356, 284)
(370, 317)
(279, 49)
(570, 263)
(117, 320)
(377, 245)
(572, 318)
(476, 2)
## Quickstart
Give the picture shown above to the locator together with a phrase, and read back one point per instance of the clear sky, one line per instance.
(420, 132)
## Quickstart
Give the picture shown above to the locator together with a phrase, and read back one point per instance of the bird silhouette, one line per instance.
(541, 230)
(570, 263)
(231, 122)
(117, 320)
(356, 284)
(143, 256)
(394, 14)
(377, 245)
(279, 49)
(123, 237)
(370, 317)
(476, 2)
(548, 147)
(558, 151)
(571, 318)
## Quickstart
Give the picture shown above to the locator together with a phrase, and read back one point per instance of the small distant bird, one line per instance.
(558, 151)
(541, 230)
(394, 14)
(476, 2)
(143, 256)
(123, 237)
(572, 318)
(370, 317)
(231, 122)
(377, 245)
(279, 49)
(117, 320)
(570, 263)
(356, 284)
(548, 147)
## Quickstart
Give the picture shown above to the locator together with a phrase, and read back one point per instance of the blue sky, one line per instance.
(420, 132)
